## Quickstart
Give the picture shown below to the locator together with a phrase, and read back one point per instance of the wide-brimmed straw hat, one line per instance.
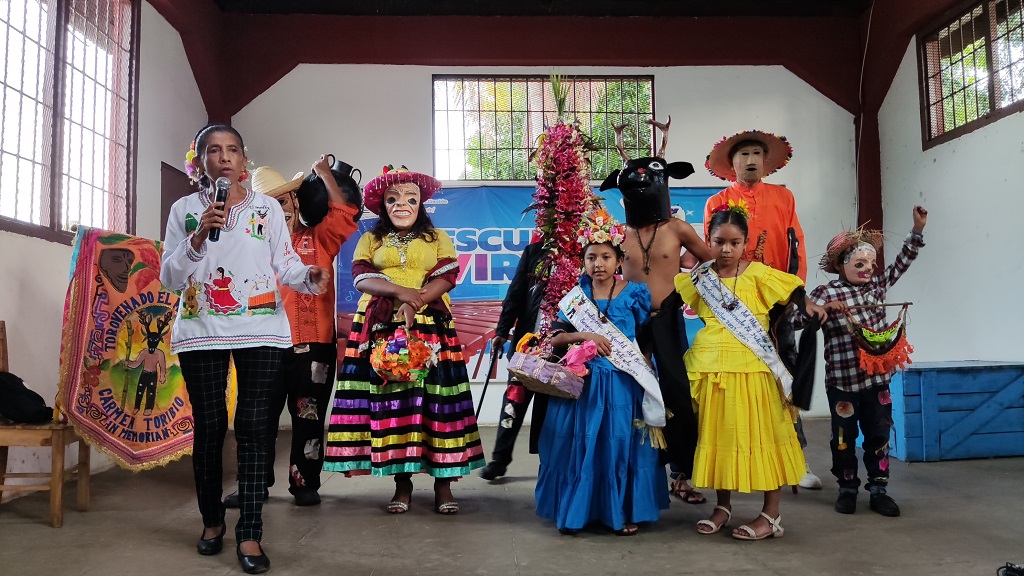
(266, 180)
(843, 242)
(373, 193)
(778, 155)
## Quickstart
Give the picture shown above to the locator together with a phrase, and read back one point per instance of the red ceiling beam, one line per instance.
(236, 57)
(822, 51)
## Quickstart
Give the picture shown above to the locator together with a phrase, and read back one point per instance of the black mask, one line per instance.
(644, 186)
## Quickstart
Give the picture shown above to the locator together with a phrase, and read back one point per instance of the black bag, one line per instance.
(21, 405)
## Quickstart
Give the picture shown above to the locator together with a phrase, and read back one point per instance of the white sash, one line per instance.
(583, 315)
(742, 323)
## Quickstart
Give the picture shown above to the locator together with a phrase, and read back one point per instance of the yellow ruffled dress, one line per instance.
(746, 440)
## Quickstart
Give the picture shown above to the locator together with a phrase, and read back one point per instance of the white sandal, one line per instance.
(714, 528)
(776, 532)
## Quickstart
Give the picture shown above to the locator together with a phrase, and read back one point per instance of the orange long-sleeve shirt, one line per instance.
(772, 210)
(312, 318)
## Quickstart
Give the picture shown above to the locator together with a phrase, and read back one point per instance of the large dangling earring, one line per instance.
(244, 175)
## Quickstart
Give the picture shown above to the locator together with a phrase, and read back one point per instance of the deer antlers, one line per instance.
(618, 141)
(161, 323)
(664, 133)
(619, 128)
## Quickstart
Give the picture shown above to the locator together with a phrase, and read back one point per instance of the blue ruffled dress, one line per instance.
(593, 465)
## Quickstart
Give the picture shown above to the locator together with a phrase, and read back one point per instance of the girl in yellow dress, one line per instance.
(746, 440)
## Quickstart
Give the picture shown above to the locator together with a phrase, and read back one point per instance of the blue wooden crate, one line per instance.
(953, 410)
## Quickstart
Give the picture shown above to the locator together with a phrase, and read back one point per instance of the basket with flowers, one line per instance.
(402, 358)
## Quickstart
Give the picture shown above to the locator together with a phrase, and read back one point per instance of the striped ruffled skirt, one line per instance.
(404, 427)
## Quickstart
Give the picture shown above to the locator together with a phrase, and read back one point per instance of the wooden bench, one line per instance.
(56, 435)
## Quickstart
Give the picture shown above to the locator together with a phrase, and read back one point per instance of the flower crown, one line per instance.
(737, 207)
(191, 169)
(600, 227)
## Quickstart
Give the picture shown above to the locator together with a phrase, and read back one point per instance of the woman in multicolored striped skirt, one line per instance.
(405, 268)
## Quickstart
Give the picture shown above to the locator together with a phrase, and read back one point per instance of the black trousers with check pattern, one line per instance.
(206, 376)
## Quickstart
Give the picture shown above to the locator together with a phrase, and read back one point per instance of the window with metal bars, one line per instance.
(69, 82)
(486, 127)
(972, 69)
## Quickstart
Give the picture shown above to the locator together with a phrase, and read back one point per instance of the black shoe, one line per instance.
(307, 497)
(231, 500)
(211, 546)
(493, 470)
(253, 564)
(847, 503)
(884, 505)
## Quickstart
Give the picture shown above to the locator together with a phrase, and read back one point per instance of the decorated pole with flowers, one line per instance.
(562, 198)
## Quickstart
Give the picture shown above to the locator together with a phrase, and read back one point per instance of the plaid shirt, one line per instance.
(842, 365)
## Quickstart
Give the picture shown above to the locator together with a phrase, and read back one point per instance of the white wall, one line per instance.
(171, 111)
(964, 283)
(36, 271)
(371, 115)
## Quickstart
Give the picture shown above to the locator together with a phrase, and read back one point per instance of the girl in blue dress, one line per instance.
(597, 458)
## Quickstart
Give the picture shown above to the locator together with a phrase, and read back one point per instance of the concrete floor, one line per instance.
(959, 518)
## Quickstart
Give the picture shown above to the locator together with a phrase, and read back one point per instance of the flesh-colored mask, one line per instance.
(859, 265)
(402, 201)
(748, 162)
(290, 206)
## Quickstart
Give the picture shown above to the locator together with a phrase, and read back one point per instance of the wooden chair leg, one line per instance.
(57, 480)
(83, 475)
(3, 469)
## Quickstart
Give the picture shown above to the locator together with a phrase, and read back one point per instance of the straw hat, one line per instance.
(845, 241)
(373, 193)
(266, 180)
(779, 153)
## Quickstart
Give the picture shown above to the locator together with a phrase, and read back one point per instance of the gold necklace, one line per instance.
(401, 243)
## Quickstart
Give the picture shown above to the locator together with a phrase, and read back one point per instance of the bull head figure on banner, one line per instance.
(644, 181)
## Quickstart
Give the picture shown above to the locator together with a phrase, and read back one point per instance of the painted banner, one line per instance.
(490, 231)
(120, 386)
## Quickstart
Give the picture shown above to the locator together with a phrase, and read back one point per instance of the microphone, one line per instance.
(223, 185)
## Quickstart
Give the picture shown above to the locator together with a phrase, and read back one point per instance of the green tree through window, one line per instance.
(485, 128)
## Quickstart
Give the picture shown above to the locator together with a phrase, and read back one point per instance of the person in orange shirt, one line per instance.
(319, 224)
(776, 238)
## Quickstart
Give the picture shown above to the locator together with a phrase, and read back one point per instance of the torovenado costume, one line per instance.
(747, 441)
(645, 193)
(403, 427)
(319, 228)
(855, 395)
(598, 462)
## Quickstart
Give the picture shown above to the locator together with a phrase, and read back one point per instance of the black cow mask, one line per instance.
(644, 186)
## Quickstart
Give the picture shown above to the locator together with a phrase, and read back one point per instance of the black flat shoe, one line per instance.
(493, 471)
(307, 497)
(884, 505)
(846, 503)
(257, 564)
(211, 546)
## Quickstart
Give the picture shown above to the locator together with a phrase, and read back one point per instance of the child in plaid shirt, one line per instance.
(853, 395)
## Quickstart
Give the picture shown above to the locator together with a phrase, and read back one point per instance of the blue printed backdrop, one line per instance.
(490, 231)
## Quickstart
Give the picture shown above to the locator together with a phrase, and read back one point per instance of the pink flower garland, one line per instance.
(562, 198)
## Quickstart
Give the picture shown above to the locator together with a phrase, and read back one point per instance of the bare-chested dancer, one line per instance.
(654, 240)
